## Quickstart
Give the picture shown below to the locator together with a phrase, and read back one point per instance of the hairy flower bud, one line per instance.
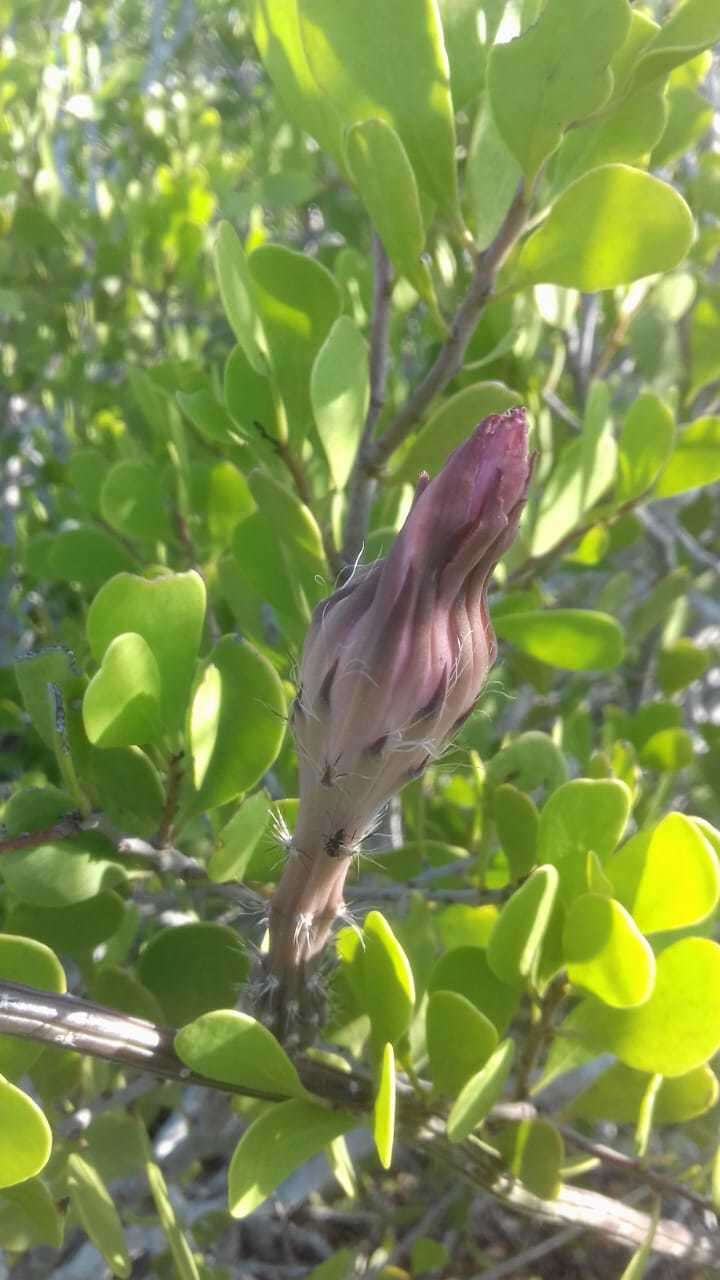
(392, 665)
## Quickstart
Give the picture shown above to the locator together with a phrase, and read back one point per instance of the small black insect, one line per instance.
(335, 844)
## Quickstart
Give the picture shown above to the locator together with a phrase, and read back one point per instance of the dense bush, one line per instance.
(261, 267)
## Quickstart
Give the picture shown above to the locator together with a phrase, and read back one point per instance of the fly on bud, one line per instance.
(393, 664)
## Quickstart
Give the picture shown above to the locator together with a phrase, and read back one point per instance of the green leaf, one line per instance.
(62, 871)
(236, 843)
(492, 175)
(584, 471)
(192, 968)
(520, 928)
(389, 987)
(87, 556)
(605, 952)
(129, 789)
(31, 962)
(694, 461)
(249, 399)
(679, 664)
(460, 1039)
(280, 1140)
(534, 1152)
(340, 394)
(553, 75)
(207, 414)
(276, 30)
(462, 926)
(133, 501)
(29, 1217)
(121, 706)
(298, 302)
(229, 501)
(691, 27)
(668, 751)
(384, 1108)
(531, 760)
(76, 929)
(677, 1029)
(185, 1265)
(610, 227)
(120, 990)
(236, 291)
(25, 1137)
(384, 177)
(574, 639)
(618, 1093)
(94, 1206)
(168, 612)
(236, 1049)
(646, 443)
(34, 672)
(236, 724)
(452, 423)
(668, 877)
(302, 541)
(581, 815)
(480, 1093)
(465, 970)
(404, 79)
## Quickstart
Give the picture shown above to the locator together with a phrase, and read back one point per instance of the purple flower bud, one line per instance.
(393, 664)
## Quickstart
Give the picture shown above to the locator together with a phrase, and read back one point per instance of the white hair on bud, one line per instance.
(280, 829)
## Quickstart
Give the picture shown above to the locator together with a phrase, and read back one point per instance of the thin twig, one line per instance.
(361, 487)
(172, 794)
(450, 358)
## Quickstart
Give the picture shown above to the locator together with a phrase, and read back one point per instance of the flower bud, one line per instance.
(393, 664)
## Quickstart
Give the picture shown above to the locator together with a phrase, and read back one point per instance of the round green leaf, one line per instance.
(340, 393)
(646, 443)
(520, 928)
(281, 1139)
(677, 1029)
(610, 227)
(76, 928)
(408, 86)
(121, 707)
(384, 1108)
(298, 302)
(582, 815)
(605, 952)
(618, 1093)
(236, 292)
(86, 555)
(129, 789)
(462, 926)
(237, 723)
(534, 1152)
(236, 843)
(679, 664)
(29, 1217)
(452, 423)
(574, 639)
(236, 1049)
(694, 461)
(168, 612)
(388, 981)
(31, 962)
(61, 872)
(25, 1137)
(480, 1093)
(34, 673)
(384, 177)
(517, 820)
(667, 877)
(133, 501)
(460, 1040)
(466, 971)
(552, 75)
(193, 968)
(94, 1206)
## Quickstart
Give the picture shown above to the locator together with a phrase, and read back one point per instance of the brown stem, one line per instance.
(538, 1035)
(450, 358)
(172, 795)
